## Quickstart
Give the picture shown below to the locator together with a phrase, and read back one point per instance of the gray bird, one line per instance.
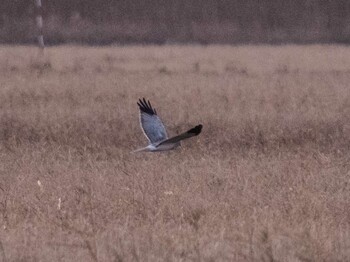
(154, 130)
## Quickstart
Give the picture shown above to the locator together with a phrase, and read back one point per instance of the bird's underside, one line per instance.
(155, 132)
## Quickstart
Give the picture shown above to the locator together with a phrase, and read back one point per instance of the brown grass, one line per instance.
(267, 180)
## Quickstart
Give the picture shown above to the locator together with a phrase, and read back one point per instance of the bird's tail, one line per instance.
(140, 150)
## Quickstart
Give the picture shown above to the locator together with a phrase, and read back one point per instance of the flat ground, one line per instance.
(267, 180)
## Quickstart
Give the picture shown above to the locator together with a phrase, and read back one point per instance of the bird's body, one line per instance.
(155, 132)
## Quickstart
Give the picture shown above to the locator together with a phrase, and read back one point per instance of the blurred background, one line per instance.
(101, 22)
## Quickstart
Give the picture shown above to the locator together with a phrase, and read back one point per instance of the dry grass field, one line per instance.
(267, 180)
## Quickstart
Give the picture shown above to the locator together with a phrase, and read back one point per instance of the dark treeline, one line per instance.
(159, 21)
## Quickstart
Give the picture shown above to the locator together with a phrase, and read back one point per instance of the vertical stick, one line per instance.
(39, 25)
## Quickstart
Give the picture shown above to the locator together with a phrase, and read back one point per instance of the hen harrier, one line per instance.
(155, 132)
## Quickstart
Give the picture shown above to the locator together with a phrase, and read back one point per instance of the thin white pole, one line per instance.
(39, 25)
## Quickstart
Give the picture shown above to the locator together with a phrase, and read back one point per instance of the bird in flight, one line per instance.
(154, 130)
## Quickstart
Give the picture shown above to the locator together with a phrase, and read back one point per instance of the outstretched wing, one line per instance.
(151, 124)
(190, 133)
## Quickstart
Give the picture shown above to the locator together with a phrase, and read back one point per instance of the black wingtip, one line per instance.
(196, 130)
(146, 107)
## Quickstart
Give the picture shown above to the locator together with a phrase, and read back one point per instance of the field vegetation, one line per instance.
(177, 21)
(267, 180)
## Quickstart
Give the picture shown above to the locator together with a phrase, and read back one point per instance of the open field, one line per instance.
(267, 180)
